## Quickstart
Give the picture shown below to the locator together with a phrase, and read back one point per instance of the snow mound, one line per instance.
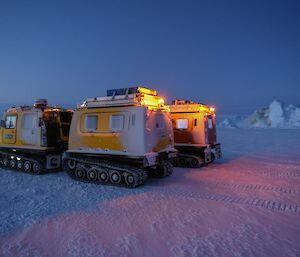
(232, 122)
(277, 115)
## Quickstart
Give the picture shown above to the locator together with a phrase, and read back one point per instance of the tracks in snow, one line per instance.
(280, 174)
(274, 205)
(272, 173)
(271, 204)
(255, 187)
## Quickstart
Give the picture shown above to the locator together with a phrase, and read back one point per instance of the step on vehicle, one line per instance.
(121, 138)
(195, 137)
(33, 138)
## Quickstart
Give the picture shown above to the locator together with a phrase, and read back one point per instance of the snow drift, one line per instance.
(277, 115)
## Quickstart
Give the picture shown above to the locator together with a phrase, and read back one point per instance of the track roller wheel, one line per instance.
(170, 168)
(182, 162)
(144, 178)
(103, 176)
(175, 162)
(213, 157)
(194, 163)
(20, 164)
(79, 172)
(27, 166)
(92, 174)
(5, 161)
(71, 164)
(164, 169)
(36, 168)
(13, 163)
(130, 180)
(115, 177)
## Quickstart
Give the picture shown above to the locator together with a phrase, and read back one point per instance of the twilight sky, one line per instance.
(238, 55)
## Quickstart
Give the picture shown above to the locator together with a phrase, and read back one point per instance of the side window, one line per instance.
(210, 123)
(91, 122)
(182, 123)
(10, 121)
(117, 122)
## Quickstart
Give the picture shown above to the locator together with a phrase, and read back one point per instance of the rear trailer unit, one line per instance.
(33, 138)
(120, 138)
(194, 126)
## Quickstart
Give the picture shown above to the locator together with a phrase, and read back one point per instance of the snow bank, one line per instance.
(277, 115)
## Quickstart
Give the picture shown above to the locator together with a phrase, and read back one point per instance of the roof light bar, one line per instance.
(127, 96)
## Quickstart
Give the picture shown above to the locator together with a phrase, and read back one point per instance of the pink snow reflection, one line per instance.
(153, 224)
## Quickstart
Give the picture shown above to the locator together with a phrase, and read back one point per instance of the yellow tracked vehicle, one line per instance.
(120, 138)
(195, 137)
(33, 138)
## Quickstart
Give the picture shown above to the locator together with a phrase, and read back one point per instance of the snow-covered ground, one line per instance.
(247, 204)
(276, 115)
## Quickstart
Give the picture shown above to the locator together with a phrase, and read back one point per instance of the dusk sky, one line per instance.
(238, 55)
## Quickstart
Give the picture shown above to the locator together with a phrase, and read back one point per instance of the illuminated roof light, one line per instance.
(147, 91)
(161, 101)
(212, 109)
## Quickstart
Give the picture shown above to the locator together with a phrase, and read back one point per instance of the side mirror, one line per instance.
(2, 124)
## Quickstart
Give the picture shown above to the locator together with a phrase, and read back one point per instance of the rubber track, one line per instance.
(255, 187)
(111, 166)
(254, 202)
(187, 157)
(42, 163)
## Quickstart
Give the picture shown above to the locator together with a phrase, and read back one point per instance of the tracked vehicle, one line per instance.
(121, 138)
(33, 138)
(195, 137)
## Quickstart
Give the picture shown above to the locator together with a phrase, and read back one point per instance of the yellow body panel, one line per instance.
(197, 131)
(23, 136)
(138, 136)
(12, 137)
(162, 144)
(194, 133)
(101, 138)
(9, 136)
(93, 141)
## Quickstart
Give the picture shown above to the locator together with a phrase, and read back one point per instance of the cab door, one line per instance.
(29, 135)
(159, 132)
(10, 129)
(210, 125)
